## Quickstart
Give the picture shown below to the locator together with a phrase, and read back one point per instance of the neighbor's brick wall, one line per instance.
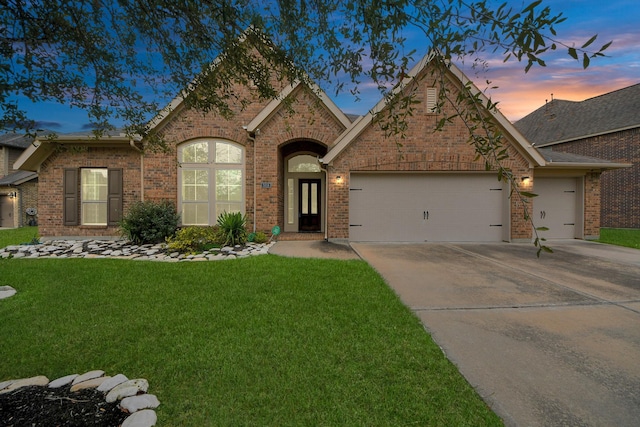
(421, 149)
(620, 188)
(4, 162)
(50, 186)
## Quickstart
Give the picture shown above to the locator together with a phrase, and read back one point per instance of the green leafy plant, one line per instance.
(150, 222)
(194, 239)
(232, 229)
(260, 237)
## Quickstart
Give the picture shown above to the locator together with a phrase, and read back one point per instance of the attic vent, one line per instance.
(432, 99)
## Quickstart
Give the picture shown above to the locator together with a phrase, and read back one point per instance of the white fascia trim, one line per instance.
(500, 118)
(272, 106)
(361, 123)
(26, 154)
(586, 166)
(32, 157)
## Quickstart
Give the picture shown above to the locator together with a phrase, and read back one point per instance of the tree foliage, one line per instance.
(124, 59)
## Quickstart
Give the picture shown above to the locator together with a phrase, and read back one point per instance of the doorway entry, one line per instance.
(309, 208)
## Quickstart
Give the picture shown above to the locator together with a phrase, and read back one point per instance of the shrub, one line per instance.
(260, 237)
(232, 228)
(190, 240)
(150, 222)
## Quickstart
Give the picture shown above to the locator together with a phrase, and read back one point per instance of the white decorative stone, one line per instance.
(87, 376)
(61, 382)
(5, 384)
(146, 418)
(112, 382)
(6, 292)
(135, 403)
(126, 389)
(25, 382)
(89, 384)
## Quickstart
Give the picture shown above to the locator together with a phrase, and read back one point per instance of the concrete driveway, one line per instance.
(546, 342)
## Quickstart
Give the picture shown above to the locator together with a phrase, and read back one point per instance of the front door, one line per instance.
(309, 206)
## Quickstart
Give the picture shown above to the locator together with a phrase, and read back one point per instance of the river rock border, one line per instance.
(132, 394)
(123, 249)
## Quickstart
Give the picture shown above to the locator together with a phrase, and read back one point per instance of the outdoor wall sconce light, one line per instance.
(339, 179)
(526, 180)
(13, 195)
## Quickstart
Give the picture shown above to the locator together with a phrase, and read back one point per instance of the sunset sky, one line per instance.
(518, 93)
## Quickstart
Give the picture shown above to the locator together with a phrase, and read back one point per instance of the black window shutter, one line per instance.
(70, 203)
(114, 198)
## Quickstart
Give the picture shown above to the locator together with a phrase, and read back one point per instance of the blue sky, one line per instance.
(518, 93)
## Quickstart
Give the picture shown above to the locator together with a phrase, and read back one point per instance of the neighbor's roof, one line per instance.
(560, 160)
(17, 178)
(561, 121)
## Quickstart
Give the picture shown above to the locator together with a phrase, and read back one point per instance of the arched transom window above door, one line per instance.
(210, 180)
(303, 163)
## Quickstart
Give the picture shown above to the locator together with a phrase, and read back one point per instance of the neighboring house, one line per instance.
(317, 174)
(18, 189)
(607, 127)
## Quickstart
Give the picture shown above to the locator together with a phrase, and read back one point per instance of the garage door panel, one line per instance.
(555, 207)
(423, 207)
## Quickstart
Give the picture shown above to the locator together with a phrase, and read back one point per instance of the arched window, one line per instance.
(303, 163)
(210, 180)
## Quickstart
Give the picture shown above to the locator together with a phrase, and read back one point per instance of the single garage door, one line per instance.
(425, 207)
(555, 207)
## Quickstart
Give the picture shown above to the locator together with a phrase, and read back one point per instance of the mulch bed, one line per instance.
(56, 407)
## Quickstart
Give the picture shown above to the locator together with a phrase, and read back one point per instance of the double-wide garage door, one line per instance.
(426, 207)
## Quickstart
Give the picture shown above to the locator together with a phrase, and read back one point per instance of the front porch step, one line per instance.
(300, 236)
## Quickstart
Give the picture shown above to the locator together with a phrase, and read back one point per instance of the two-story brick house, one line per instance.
(18, 189)
(607, 127)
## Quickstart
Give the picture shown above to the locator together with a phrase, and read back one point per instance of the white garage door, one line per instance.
(425, 207)
(555, 207)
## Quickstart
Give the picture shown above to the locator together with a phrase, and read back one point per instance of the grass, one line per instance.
(15, 236)
(256, 341)
(629, 237)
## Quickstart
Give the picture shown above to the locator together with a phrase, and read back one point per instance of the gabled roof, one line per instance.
(273, 106)
(19, 140)
(562, 121)
(17, 178)
(365, 121)
(36, 153)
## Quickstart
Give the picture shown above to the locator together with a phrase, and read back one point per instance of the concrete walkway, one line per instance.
(313, 249)
(549, 341)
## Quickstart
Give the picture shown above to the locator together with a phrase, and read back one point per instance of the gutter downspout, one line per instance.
(252, 138)
(133, 145)
(326, 199)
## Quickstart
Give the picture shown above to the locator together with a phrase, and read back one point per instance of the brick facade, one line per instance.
(50, 188)
(422, 149)
(302, 125)
(620, 203)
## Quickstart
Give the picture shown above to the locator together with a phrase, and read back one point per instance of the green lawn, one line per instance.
(15, 236)
(629, 237)
(256, 341)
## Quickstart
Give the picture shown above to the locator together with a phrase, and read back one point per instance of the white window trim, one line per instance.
(212, 167)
